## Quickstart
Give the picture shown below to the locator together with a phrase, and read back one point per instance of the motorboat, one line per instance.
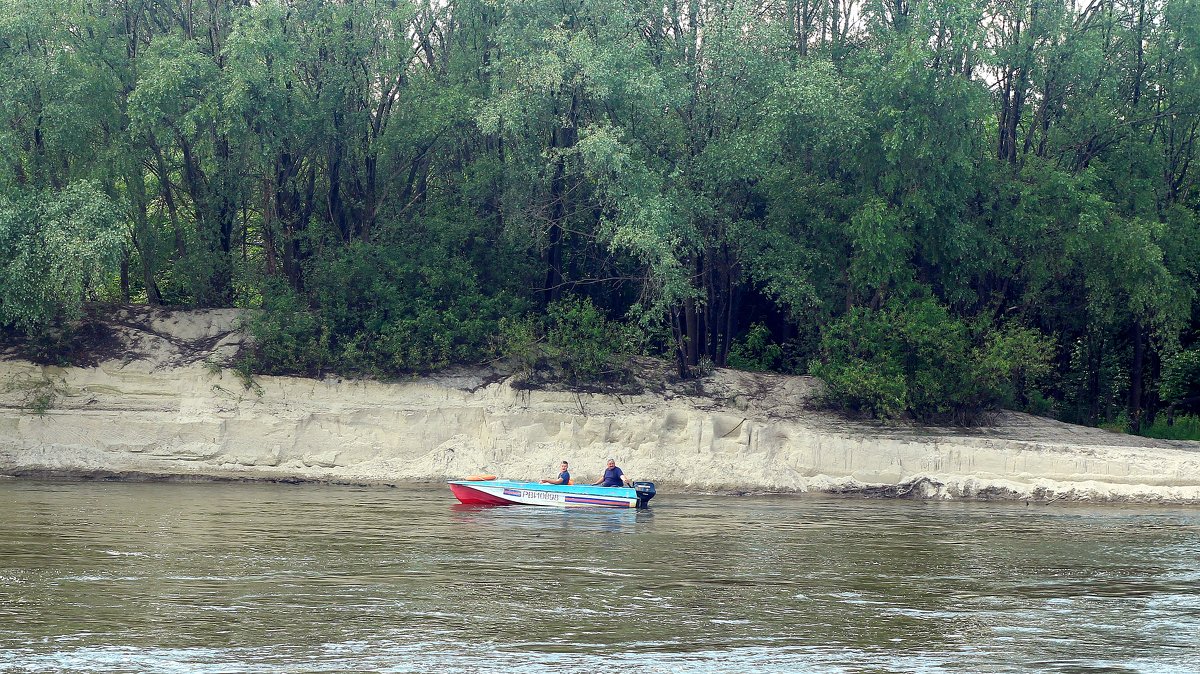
(508, 492)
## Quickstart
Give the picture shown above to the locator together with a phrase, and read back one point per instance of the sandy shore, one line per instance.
(164, 407)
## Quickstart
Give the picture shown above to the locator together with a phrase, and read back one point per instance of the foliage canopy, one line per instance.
(940, 207)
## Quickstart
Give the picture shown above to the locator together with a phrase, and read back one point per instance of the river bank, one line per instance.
(160, 404)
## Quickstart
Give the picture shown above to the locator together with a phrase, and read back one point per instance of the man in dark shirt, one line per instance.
(564, 477)
(613, 476)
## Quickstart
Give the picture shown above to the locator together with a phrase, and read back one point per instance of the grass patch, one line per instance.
(41, 402)
(1186, 427)
(38, 394)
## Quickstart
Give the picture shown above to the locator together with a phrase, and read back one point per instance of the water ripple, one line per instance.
(282, 578)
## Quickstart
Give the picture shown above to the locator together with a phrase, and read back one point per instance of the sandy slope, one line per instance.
(158, 406)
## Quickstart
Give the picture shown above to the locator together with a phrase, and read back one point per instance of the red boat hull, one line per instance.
(469, 496)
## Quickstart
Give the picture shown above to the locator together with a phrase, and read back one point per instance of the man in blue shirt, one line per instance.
(564, 477)
(613, 476)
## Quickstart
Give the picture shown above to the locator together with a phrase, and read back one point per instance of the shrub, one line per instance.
(582, 340)
(1181, 428)
(1016, 362)
(518, 342)
(1181, 378)
(288, 337)
(1186, 427)
(875, 387)
(58, 246)
(915, 358)
(755, 351)
(374, 310)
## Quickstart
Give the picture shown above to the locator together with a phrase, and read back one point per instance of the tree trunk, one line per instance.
(563, 138)
(125, 277)
(1096, 353)
(1136, 376)
(679, 333)
(270, 249)
(142, 237)
(691, 332)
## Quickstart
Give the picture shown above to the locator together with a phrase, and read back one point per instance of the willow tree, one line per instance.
(59, 222)
(60, 247)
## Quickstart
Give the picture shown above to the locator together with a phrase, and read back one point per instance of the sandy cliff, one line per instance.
(163, 408)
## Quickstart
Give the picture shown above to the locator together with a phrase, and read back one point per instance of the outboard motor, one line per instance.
(645, 492)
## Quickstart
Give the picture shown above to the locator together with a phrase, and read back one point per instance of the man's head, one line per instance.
(611, 463)
(564, 465)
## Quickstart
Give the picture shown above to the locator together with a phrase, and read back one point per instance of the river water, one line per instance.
(146, 577)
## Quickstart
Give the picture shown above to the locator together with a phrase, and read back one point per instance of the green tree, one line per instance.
(60, 247)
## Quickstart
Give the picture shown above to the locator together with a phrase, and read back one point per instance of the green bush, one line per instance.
(572, 340)
(288, 337)
(876, 387)
(1096, 379)
(519, 342)
(1015, 362)
(755, 351)
(388, 312)
(582, 340)
(1181, 376)
(373, 310)
(59, 245)
(915, 358)
(1184, 428)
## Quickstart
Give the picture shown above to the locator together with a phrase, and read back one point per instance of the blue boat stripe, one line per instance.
(597, 501)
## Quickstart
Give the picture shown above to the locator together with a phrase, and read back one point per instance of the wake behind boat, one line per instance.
(508, 492)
